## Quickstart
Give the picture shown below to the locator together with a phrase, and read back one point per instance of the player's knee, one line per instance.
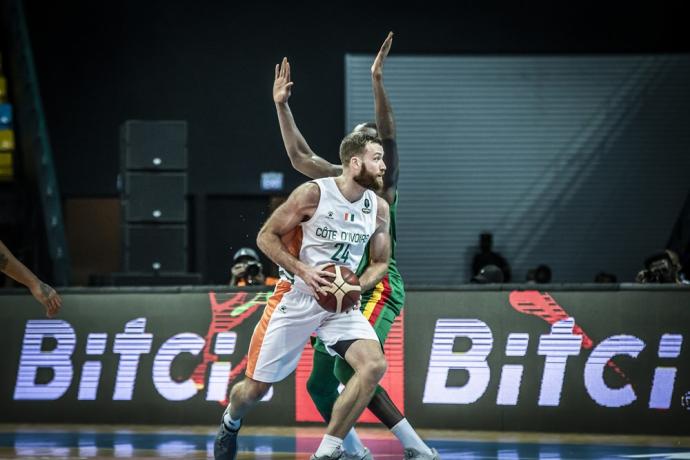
(374, 369)
(255, 390)
(381, 367)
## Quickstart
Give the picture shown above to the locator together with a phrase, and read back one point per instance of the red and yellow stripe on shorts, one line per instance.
(377, 300)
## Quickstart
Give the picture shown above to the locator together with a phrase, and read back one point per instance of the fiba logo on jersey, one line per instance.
(367, 206)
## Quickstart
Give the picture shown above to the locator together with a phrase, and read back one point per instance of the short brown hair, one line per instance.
(354, 144)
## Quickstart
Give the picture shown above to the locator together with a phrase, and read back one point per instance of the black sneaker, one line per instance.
(225, 446)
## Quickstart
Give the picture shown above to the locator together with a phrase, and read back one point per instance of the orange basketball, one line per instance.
(345, 292)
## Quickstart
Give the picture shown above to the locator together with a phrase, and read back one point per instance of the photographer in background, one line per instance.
(487, 256)
(662, 267)
(248, 271)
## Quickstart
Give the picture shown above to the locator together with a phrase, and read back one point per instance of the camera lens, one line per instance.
(253, 268)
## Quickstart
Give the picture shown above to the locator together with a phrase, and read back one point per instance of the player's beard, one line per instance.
(369, 180)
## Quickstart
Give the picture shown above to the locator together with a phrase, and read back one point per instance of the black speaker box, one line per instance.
(153, 145)
(155, 248)
(155, 197)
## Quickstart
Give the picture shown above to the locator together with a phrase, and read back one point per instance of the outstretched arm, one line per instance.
(302, 157)
(385, 123)
(300, 205)
(379, 249)
(16, 270)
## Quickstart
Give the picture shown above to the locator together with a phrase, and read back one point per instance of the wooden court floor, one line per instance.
(151, 442)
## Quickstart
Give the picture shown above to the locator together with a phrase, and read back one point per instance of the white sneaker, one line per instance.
(364, 456)
(337, 454)
(411, 453)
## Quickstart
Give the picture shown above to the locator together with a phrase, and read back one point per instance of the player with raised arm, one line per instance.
(383, 303)
(323, 220)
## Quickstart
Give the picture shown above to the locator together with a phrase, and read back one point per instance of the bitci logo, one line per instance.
(565, 340)
(212, 375)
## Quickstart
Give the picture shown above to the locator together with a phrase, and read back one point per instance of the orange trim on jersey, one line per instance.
(293, 241)
(260, 332)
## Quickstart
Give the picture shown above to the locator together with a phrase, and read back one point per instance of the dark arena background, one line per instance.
(542, 223)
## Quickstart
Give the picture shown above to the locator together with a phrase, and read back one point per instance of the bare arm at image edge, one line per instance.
(16, 270)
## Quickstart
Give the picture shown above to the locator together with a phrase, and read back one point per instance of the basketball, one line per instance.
(345, 291)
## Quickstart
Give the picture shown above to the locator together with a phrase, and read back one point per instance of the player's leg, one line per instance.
(323, 390)
(351, 336)
(383, 407)
(243, 397)
(274, 352)
(381, 312)
(322, 384)
(369, 364)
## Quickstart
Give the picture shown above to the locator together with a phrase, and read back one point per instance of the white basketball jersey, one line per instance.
(339, 230)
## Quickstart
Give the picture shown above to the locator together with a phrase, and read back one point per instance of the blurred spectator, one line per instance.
(603, 277)
(539, 275)
(662, 267)
(488, 257)
(247, 270)
(488, 274)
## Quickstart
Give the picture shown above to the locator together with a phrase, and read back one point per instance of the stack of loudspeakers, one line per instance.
(153, 188)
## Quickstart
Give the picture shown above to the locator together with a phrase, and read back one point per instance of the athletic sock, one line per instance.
(352, 444)
(230, 423)
(409, 437)
(328, 445)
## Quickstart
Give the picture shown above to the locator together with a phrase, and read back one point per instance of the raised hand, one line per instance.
(282, 85)
(377, 66)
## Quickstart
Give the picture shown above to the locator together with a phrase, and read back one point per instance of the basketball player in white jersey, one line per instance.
(324, 221)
